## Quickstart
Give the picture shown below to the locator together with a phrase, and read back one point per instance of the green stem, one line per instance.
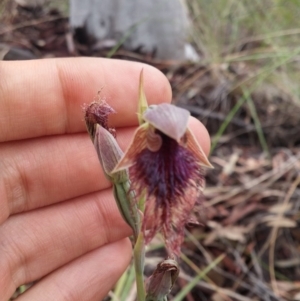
(139, 255)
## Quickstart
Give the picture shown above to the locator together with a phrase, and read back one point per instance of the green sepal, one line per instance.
(142, 103)
(127, 205)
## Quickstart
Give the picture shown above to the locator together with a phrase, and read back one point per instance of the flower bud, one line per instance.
(162, 280)
(109, 153)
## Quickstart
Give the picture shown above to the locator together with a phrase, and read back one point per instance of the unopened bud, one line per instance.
(162, 280)
(109, 153)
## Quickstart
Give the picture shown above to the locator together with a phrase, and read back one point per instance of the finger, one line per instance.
(44, 97)
(48, 170)
(35, 243)
(201, 134)
(49, 220)
(88, 278)
(43, 171)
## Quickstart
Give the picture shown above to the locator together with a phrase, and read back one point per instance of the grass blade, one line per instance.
(186, 289)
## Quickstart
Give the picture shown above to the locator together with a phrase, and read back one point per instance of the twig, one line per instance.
(209, 258)
(277, 34)
(225, 291)
(274, 235)
(30, 23)
(216, 115)
(273, 175)
(261, 288)
(198, 271)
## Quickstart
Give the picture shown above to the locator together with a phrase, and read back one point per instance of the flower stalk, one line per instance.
(166, 167)
(139, 248)
(109, 153)
(139, 261)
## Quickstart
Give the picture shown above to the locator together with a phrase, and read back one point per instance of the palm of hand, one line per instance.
(59, 224)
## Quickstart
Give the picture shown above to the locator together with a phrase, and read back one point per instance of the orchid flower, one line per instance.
(166, 163)
(156, 182)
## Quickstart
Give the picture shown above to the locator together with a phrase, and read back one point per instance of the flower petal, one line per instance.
(109, 153)
(97, 113)
(138, 143)
(169, 119)
(193, 146)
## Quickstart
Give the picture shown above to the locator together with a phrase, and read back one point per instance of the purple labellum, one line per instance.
(173, 179)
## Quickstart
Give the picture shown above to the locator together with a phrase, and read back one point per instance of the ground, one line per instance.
(245, 89)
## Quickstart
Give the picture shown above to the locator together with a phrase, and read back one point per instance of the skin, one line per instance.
(59, 224)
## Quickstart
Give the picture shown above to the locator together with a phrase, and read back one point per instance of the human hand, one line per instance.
(59, 224)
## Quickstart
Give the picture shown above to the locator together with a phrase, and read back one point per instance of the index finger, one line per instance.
(44, 97)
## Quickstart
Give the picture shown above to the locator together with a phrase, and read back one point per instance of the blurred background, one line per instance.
(233, 64)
